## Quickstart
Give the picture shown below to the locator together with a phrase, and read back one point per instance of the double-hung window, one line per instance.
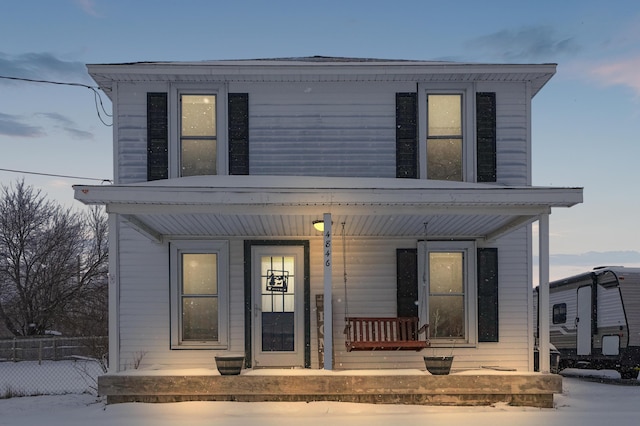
(198, 136)
(446, 272)
(445, 151)
(199, 125)
(199, 285)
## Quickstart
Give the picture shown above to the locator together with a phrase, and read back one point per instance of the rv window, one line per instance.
(560, 313)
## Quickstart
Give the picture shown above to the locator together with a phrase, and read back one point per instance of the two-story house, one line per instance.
(422, 169)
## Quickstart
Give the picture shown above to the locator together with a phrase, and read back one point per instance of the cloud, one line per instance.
(67, 125)
(88, 7)
(539, 43)
(41, 66)
(13, 125)
(19, 126)
(623, 72)
(595, 258)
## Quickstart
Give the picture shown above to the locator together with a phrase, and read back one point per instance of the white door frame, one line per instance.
(274, 358)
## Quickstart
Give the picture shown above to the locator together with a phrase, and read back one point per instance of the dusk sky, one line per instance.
(586, 120)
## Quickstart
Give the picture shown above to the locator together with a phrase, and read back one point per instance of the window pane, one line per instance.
(446, 273)
(198, 157)
(444, 159)
(446, 316)
(200, 318)
(199, 115)
(445, 115)
(199, 273)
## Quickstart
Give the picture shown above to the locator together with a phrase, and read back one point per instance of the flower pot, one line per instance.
(438, 365)
(229, 365)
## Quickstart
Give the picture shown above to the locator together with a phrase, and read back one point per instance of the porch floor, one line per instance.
(475, 387)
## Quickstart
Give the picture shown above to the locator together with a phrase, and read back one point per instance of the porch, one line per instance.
(471, 387)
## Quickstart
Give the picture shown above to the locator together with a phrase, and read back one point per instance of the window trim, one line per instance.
(222, 144)
(221, 248)
(468, 127)
(469, 250)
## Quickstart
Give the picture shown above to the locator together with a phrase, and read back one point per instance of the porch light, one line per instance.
(319, 225)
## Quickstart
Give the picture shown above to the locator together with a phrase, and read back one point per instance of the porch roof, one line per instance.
(281, 206)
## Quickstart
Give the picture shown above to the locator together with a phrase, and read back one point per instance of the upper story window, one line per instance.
(444, 137)
(197, 130)
(198, 135)
(446, 129)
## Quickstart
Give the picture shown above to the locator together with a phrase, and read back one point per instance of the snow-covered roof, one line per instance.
(287, 206)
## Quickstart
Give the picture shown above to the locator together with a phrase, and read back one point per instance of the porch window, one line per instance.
(199, 285)
(446, 273)
(198, 134)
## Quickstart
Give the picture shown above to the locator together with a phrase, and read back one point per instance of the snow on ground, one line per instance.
(583, 403)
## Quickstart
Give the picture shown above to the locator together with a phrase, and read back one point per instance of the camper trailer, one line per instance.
(595, 319)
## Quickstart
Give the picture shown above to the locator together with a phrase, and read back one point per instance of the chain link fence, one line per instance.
(51, 365)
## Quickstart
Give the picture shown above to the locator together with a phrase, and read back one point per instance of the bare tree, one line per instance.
(51, 259)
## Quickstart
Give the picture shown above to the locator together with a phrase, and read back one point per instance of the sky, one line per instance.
(586, 120)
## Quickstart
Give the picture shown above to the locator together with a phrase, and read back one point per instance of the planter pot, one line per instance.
(438, 365)
(229, 365)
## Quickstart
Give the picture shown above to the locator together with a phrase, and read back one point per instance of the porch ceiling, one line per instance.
(271, 206)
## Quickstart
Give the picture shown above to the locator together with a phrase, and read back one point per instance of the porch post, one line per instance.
(543, 294)
(328, 305)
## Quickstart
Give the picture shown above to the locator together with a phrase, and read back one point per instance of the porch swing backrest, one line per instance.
(382, 333)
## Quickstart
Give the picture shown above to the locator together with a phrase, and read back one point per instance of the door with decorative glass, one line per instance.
(278, 306)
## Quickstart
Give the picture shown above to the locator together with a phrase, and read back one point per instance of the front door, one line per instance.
(278, 306)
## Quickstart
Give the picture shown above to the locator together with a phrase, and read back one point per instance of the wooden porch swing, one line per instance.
(380, 333)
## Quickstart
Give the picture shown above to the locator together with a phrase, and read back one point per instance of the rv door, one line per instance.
(583, 321)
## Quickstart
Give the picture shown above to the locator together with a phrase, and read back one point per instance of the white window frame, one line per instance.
(468, 248)
(222, 144)
(221, 249)
(468, 126)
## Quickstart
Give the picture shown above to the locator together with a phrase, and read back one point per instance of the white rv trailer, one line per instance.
(594, 319)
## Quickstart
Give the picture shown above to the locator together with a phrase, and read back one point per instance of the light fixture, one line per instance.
(318, 225)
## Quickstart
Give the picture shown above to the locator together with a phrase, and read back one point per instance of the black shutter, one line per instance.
(407, 282)
(487, 294)
(157, 137)
(486, 136)
(238, 133)
(406, 135)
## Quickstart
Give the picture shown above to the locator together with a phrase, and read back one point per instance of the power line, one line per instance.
(97, 99)
(55, 175)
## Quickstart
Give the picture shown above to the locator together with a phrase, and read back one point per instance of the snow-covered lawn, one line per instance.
(583, 403)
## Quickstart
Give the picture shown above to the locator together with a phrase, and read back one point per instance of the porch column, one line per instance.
(328, 305)
(543, 294)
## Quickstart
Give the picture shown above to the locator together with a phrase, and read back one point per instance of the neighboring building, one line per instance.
(221, 167)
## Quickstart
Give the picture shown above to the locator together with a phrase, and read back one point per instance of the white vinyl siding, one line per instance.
(323, 129)
(513, 146)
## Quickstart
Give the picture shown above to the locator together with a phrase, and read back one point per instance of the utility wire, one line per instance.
(97, 99)
(55, 175)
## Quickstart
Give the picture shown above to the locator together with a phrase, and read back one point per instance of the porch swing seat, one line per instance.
(384, 334)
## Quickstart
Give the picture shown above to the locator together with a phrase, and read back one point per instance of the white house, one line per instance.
(423, 170)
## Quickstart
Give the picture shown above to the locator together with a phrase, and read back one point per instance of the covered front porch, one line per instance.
(377, 217)
(471, 387)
